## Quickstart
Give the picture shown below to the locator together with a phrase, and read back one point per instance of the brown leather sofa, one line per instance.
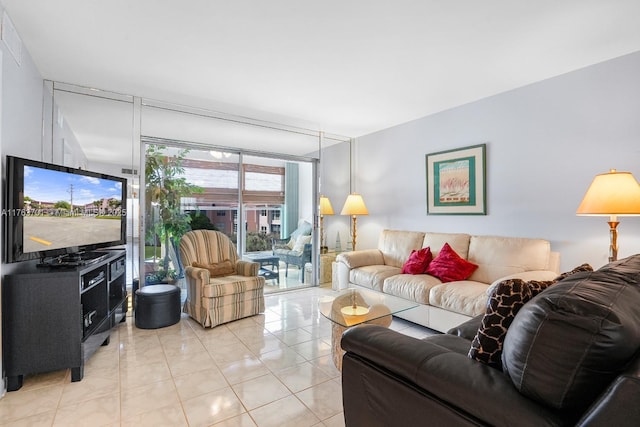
(570, 357)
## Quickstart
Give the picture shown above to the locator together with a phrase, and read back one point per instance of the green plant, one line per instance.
(200, 221)
(62, 205)
(161, 276)
(165, 187)
(256, 242)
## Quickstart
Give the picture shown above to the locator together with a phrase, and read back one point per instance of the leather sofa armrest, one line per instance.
(357, 259)
(612, 408)
(468, 329)
(554, 262)
(452, 377)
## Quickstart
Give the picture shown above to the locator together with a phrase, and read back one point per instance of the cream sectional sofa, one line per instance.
(445, 305)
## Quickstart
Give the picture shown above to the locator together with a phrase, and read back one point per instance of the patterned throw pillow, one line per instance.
(578, 269)
(418, 261)
(507, 299)
(448, 266)
(505, 302)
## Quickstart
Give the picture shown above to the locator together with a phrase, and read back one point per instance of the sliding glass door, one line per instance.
(189, 187)
(256, 179)
(276, 196)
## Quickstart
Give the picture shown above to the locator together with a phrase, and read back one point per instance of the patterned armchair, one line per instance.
(295, 250)
(220, 287)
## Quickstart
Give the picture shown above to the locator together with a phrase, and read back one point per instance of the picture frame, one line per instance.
(456, 181)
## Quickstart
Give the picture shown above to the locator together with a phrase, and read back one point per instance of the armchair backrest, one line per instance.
(206, 247)
(304, 229)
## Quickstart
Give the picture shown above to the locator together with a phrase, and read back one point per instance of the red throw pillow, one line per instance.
(449, 267)
(418, 261)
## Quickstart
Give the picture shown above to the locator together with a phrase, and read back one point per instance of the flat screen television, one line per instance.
(57, 212)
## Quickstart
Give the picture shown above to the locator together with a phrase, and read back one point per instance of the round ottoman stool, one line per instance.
(157, 306)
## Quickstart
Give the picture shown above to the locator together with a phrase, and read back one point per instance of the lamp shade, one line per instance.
(354, 205)
(613, 193)
(325, 206)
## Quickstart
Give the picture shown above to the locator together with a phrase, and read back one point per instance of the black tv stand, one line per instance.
(72, 260)
(55, 318)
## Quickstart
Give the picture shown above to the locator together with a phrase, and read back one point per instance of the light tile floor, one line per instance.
(274, 369)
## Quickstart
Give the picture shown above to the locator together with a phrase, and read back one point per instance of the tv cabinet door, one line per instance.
(118, 299)
(42, 323)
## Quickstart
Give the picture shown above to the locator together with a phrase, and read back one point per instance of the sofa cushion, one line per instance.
(569, 342)
(410, 287)
(361, 258)
(459, 242)
(448, 266)
(418, 261)
(372, 276)
(464, 297)
(543, 275)
(231, 285)
(505, 302)
(396, 246)
(281, 251)
(222, 268)
(291, 243)
(497, 257)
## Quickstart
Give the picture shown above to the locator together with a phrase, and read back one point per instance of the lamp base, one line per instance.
(357, 310)
(613, 240)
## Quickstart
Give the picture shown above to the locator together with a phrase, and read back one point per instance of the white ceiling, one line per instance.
(349, 67)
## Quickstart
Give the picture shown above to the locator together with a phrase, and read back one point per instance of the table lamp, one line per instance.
(325, 209)
(612, 194)
(354, 205)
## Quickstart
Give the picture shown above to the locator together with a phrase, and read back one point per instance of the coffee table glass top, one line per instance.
(351, 306)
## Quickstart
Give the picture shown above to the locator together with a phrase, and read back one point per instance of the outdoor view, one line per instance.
(64, 209)
(199, 189)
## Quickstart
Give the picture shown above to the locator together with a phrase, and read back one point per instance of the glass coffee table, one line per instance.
(351, 307)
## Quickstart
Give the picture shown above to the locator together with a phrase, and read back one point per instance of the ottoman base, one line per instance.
(157, 306)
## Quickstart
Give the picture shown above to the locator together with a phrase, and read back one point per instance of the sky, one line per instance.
(48, 185)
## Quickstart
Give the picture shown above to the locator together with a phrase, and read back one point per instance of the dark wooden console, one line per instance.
(56, 318)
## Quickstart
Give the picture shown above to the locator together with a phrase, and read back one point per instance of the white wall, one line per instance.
(305, 182)
(22, 112)
(334, 183)
(21, 127)
(21, 107)
(545, 143)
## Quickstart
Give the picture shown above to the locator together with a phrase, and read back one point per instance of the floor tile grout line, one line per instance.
(311, 324)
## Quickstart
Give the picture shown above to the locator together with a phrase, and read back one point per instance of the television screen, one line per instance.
(55, 210)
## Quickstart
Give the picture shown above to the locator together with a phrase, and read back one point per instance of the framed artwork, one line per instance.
(456, 181)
